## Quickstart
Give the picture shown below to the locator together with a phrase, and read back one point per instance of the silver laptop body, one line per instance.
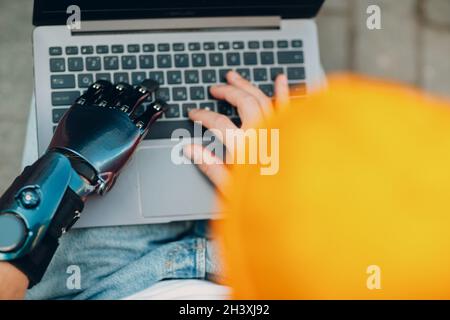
(152, 189)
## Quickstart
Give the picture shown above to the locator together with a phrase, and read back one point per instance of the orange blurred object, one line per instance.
(364, 180)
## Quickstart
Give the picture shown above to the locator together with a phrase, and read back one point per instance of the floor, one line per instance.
(413, 46)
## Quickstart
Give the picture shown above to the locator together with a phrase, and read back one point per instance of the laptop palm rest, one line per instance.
(162, 188)
(183, 186)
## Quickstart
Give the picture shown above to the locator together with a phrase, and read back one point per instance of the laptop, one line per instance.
(186, 46)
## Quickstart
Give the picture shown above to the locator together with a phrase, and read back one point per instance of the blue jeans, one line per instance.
(115, 262)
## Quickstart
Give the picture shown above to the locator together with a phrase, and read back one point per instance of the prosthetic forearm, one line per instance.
(92, 143)
(41, 205)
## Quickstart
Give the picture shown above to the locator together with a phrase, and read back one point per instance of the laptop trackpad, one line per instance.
(167, 189)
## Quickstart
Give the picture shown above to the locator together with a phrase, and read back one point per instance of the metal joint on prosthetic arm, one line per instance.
(41, 205)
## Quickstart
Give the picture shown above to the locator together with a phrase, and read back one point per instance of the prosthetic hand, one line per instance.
(92, 143)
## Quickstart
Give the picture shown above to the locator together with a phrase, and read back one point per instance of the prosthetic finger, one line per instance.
(141, 93)
(120, 96)
(95, 92)
(153, 112)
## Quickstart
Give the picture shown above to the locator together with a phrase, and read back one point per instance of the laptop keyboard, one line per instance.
(185, 71)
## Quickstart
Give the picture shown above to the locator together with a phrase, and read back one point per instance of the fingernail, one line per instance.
(187, 151)
(193, 111)
(282, 78)
(232, 75)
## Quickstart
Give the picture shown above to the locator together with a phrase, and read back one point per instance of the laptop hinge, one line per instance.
(179, 24)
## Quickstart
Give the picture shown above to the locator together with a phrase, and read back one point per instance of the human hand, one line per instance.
(253, 107)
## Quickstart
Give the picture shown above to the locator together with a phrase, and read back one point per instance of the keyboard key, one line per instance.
(163, 47)
(288, 57)
(178, 47)
(111, 63)
(64, 98)
(296, 73)
(158, 76)
(102, 49)
(191, 76)
(225, 108)
(93, 63)
(148, 47)
(233, 59)
(209, 76)
(181, 60)
(71, 50)
(57, 65)
(133, 48)
(57, 114)
(174, 77)
(173, 111)
(207, 106)
(137, 77)
(103, 76)
(245, 73)
(117, 48)
(208, 93)
(223, 75)
(163, 94)
(297, 43)
(216, 59)
(253, 44)
(224, 45)
(85, 80)
(75, 64)
(188, 107)
(128, 62)
(199, 60)
(267, 57)
(179, 94)
(121, 77)
(55, 51)
(267, 89)
(208, 46)
(274, 72)
(197, 93)
(260, 74)
(250, 58)
(282, 44)
(297, 89)
(164, 61)
(194, 46)
(63, 81)
(87, 50)
(268, 44)
(237, 45)
(146, 61)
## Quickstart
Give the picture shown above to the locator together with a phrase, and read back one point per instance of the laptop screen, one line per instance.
(53, 12)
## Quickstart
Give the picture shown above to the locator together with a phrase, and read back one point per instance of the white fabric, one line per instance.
(183, 290)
